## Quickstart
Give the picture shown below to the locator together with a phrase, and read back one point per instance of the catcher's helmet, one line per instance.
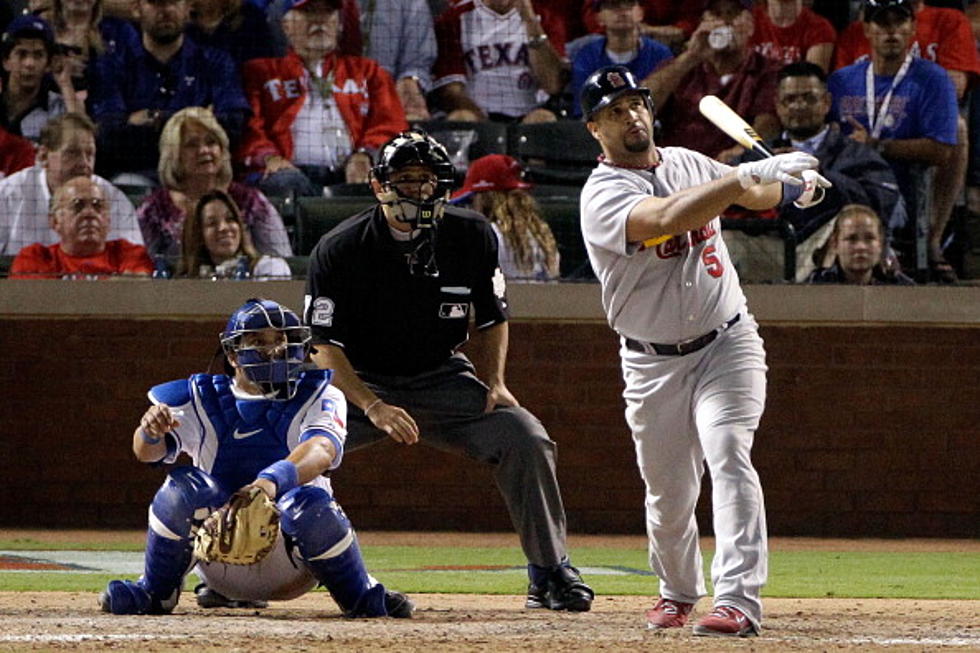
(605, 85)
(275, 368)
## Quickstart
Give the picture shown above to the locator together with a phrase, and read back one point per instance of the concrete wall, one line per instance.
(870, 427)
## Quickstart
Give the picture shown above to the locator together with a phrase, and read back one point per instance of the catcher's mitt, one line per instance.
(241, 533)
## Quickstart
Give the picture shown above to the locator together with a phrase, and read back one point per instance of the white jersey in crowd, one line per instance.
(24, 201)
(679, 289)
(488, 52)
(508, 261)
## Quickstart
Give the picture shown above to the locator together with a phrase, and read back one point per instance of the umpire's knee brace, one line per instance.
(315, 522)
(188, 495)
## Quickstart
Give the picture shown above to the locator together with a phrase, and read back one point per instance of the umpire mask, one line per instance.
(416, 177)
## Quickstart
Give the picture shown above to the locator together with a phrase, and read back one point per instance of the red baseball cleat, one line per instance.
(725, 621)
(668, 613)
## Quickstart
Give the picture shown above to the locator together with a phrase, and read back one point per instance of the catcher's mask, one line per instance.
(421, 210)
(274, 366)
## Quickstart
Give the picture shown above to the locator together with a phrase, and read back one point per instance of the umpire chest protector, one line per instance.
(389, 320)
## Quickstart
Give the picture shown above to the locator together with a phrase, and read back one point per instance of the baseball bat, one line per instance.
(724, 118)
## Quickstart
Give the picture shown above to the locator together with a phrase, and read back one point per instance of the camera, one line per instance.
(721, 37)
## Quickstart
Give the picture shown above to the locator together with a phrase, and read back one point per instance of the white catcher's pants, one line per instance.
(278, 577)
(685, 411)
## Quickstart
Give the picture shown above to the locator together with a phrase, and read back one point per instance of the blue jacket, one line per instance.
(592, 56)
(132, 79)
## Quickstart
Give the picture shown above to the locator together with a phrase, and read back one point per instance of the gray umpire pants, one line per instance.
(448, 405)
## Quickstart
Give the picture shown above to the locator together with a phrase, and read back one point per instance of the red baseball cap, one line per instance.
(289, 5)
(491, 172)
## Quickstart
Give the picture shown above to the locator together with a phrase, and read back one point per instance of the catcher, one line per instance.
(254, 513)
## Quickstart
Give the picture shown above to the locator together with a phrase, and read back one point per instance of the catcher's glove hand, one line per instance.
(243, 532)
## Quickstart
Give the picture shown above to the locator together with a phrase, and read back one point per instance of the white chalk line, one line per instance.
(87, 637)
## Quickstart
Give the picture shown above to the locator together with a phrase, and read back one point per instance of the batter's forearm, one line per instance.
(760, 198)
(685, 210)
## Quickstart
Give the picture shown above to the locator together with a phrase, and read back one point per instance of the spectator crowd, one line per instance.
(193, 119)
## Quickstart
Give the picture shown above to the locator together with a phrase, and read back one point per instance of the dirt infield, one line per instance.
(57, 621)
(62, 620)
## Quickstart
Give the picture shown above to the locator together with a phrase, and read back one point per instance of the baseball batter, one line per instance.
(271, 425)
(692, 359)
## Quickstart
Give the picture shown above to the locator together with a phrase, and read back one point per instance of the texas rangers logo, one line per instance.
(614, 78)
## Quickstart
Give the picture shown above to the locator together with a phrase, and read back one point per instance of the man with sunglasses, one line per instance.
(80, 216)
(389, 298)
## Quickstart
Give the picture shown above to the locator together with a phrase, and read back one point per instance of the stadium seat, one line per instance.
(286, 206)
(562, 215)
(467, 141)
(765, 250)
(562, 152)
(349, 190)
(318, 215)
(544, 191)
(298, 266)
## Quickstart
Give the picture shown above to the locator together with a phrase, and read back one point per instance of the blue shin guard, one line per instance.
(187, 496)
(327, 543)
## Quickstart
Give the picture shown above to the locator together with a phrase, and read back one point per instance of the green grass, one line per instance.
(803, 574)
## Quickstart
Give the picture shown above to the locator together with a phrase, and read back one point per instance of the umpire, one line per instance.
(389, 297)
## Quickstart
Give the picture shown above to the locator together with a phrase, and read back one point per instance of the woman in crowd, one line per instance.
(856, 247)
(83, 34)
(194, 160)
(217, 244)
(495, 187)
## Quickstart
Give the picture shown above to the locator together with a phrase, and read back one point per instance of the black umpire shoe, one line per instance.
(562, 589)
(208, 598)
(398, 605)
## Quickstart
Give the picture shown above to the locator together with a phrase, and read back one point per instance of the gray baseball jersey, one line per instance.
(687, 410)
(672, 291)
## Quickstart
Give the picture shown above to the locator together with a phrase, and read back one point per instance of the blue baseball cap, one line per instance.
(28, 26)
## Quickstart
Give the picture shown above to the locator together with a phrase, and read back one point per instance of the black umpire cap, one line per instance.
(877, 9)
(605, 86)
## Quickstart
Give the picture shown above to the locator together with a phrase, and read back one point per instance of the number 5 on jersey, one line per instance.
(711, 263)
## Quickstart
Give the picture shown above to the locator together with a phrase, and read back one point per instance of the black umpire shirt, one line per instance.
(362, 296)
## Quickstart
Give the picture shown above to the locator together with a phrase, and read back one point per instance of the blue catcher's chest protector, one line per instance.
(251, 433)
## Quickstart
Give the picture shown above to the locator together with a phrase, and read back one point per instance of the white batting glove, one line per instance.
(813, 193)
(785, 168)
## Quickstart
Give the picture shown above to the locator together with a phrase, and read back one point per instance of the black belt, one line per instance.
(681, 348)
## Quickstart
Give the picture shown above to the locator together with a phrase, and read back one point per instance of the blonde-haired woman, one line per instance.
(527, 250)
(194, 160)
(217, 244)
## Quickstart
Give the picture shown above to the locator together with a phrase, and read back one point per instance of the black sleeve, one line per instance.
(489, 288)
(327, 295)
